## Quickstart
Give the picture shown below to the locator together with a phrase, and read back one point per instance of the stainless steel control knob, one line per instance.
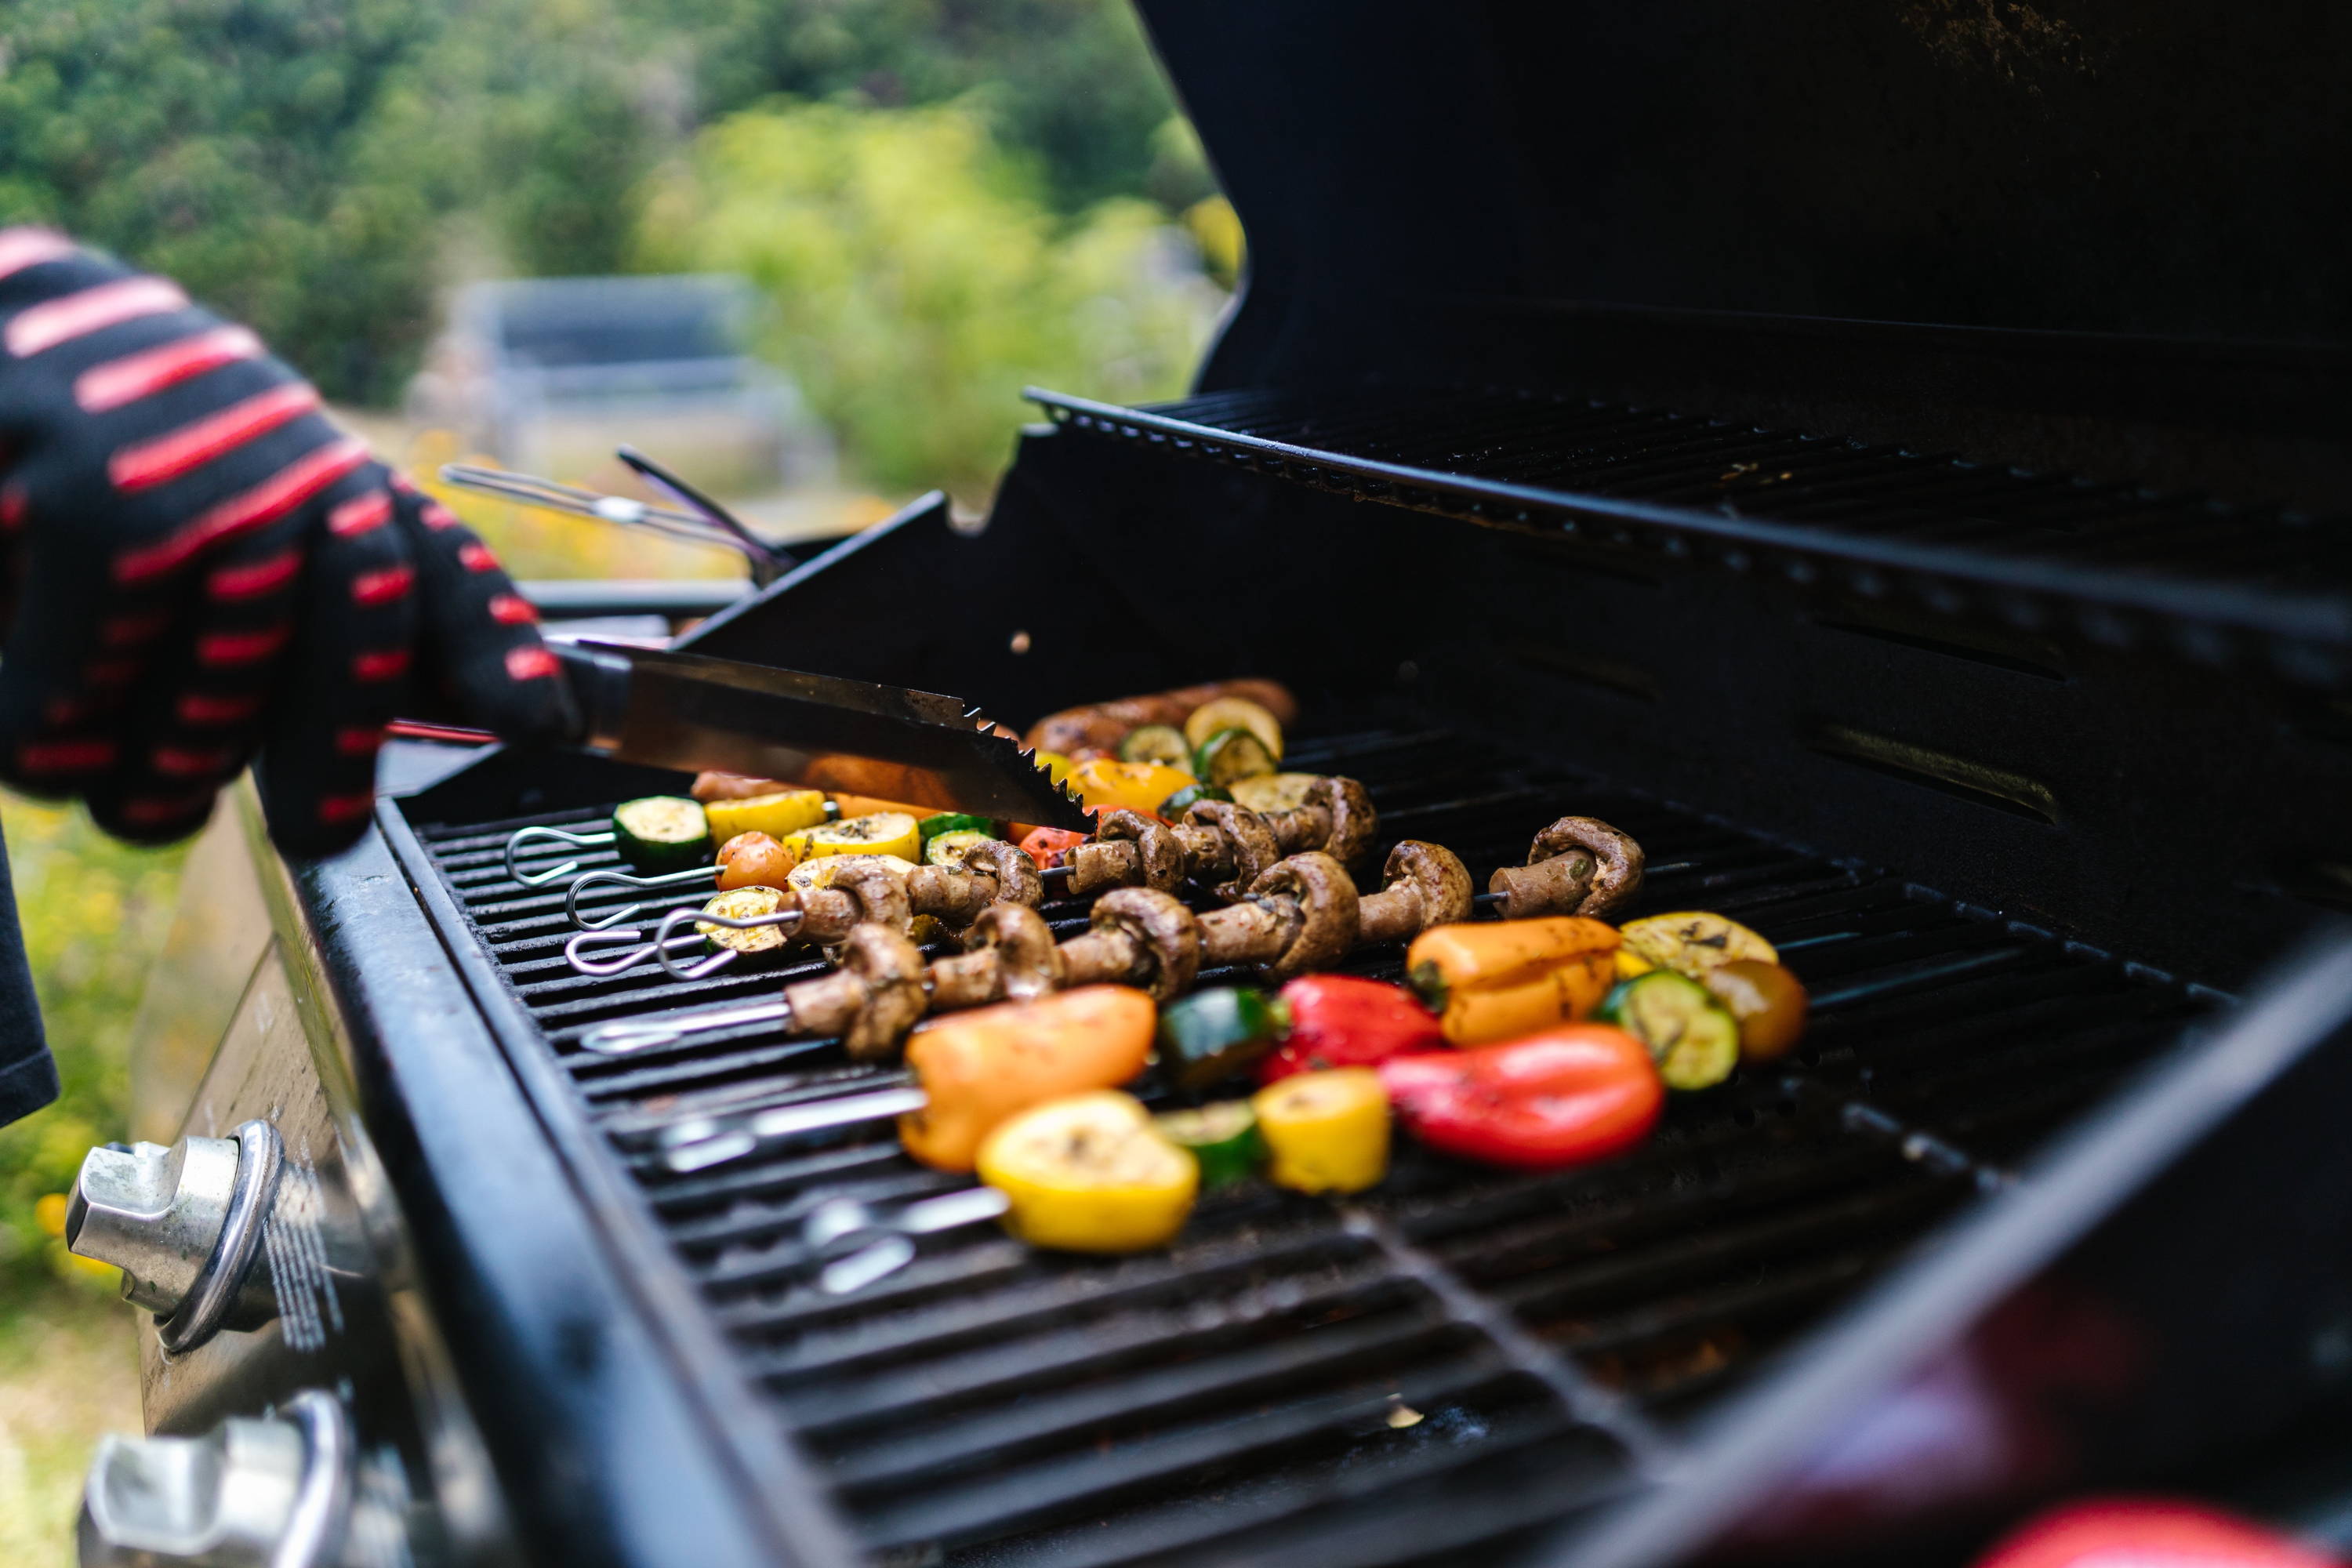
(183, 1224)
(273, 1492)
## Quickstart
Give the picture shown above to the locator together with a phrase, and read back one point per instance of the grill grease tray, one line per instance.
(1455, 1357)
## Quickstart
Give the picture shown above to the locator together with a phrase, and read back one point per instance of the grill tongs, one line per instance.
(692, 712)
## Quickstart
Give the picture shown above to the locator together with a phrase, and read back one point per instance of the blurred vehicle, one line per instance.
(551, 374)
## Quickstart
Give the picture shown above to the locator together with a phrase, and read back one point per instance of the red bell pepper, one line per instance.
(1341, 1021)
(2117, 1531)
(1571, 1094)
(1046, 845)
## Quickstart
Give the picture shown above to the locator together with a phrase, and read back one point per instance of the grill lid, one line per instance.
(1698, 205)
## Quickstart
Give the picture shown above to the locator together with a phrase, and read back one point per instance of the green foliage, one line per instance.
(918, 277)
(94, 913)
(294, 161)
(218, 140)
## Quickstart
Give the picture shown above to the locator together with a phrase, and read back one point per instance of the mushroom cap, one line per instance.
(1166, 928)
(1255, 848)
(1155, 842)
(1619, 858)
(1017, 882)
(1437, 874)
(1354, 820)
(1028, 962)
(1325, 897)
(891, 968)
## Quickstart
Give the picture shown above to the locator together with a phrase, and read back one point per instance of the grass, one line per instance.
(94, 914)
(68, 1372)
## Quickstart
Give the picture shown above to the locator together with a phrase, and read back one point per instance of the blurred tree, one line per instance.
(918, 277)
(223, 142)
(291, 160)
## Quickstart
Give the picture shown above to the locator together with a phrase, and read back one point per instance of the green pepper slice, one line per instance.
(1222, 1137)
(1214, 1033)
(1172, 808)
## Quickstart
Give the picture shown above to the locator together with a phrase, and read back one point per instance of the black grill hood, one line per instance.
(2106, 237)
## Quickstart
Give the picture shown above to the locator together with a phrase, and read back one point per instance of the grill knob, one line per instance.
(183, 1224)
(272, 1492)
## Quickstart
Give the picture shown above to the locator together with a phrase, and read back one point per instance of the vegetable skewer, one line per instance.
(1218, 839)
(1302, 912)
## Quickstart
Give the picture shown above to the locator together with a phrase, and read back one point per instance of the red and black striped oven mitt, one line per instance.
(197, 569)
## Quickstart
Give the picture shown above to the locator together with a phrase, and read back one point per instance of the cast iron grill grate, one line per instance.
(1458, 1356)
(2123, 564)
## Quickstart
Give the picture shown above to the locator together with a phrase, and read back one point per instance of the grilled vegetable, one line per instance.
(1214, 1033)
(1495, 980)
(1341, 1021)
(1174, 807)
(1768, 1002)
(1058, 766)
(1161, 744)
(1694, 1042)
(715, 786)
(1325, 1131)
(1090, 1173)
(820, 872)
(846, 806)
(947, 848)
(1274, 791)
(1222, 1137)
(1230, 756)
(1100, 726)
(743, 904)
(661, 833)
(980, 1068)
(1693, 942)
(931, 826)
(754, 860)
(876, 833)
(1571, 1094)
(776, 815)
(1126, 786)
(1235, 713)
(1044, 844)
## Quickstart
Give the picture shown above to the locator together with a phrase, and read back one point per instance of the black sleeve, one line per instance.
(28, 1079)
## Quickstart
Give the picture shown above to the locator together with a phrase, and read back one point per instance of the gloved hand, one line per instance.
(196, 567)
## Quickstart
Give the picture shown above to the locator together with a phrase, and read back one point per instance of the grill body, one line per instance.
(1796, 440)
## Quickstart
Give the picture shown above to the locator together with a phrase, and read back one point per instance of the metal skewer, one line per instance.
(593, 838)
(684, 878)
(705, 1141)
(767, 562)
(527, 489)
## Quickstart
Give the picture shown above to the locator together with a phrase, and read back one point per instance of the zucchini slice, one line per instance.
(661, 833)
(876, 833)
(778, 816)
(930, 827)
(1235, 713)
(1230, 756)
(947, 848)
(743, 904)
(1161, 744)
(1275, 792)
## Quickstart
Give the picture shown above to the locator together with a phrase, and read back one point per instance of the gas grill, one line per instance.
(1938, 566)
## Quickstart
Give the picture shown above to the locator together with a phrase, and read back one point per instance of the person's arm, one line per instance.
(200, 570)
